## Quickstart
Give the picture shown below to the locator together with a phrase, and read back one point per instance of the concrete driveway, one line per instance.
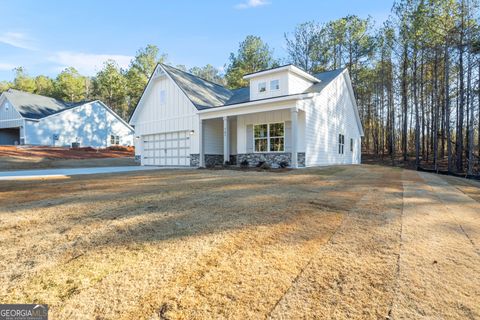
(55, 173)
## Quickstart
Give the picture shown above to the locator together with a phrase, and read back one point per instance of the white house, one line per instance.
(285, 115)
(32, 119)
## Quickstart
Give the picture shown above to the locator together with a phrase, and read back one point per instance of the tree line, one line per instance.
(416, 78)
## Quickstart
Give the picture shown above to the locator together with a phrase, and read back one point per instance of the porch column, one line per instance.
(294, 116)
(201, 162)
(226, 140)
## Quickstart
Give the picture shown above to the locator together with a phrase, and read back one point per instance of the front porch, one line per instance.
(252, 136)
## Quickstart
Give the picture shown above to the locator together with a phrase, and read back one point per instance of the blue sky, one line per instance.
(47, 36)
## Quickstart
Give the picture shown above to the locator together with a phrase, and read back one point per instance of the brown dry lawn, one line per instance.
(340, 242)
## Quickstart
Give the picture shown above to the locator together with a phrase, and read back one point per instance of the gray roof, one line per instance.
(325, 78)
(34, 106)
(205, 94)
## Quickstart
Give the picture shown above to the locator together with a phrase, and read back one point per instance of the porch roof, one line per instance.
(256, 106)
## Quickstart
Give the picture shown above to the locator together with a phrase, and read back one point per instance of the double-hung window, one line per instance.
(274, 85)
(351, 145)
(341, 143)
(269, 137)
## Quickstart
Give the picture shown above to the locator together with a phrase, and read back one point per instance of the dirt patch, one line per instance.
(16, 163)
(65, 153)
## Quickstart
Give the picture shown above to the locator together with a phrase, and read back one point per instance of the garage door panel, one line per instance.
(167, 149)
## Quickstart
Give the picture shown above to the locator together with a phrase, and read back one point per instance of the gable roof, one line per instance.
(34, 106)
(205, 94)
(202, 93)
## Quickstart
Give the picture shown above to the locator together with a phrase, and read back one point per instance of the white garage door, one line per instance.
(167, 149)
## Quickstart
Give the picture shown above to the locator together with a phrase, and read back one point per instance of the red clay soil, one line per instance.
(66, 153)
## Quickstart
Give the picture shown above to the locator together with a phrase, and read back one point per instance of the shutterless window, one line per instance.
(114, 140)
(274, 85)
(341, 143)
(262, 87)
(351, 145)
(269, 137)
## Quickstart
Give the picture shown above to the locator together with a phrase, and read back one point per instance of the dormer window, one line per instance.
(274, 85)
(262, 87)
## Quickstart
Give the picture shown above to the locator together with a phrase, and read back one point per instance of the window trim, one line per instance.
(268, 136)
(277, 89)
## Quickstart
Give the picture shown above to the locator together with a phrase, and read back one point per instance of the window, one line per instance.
(341, 143)
(114, 140)
(262, 87)
(274, 85)
(163, 98)
(351, 145)
(269, 137)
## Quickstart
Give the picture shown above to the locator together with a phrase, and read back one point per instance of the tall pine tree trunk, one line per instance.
(405, 101)
(447, 107)
(461, 106)
(471, 116)
(435, 105)
(417, 117)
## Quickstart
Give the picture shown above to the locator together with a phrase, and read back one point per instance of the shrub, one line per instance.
(283, 164)
(265, 166)
(244, 164)
(210, 165)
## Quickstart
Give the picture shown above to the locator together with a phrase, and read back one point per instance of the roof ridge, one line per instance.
(201, 78)
(67, 103)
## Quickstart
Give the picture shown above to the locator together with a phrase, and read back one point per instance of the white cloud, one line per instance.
(6, 67)
(252, 4)
(87, 63)
(17, 39)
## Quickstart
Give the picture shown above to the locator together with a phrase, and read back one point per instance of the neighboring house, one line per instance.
(285, 115)
(31, 119)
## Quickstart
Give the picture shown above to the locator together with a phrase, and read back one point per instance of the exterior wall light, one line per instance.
(192, 132)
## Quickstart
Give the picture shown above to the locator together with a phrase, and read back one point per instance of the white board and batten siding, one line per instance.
(327, 115)
(9, 116)
(163, 124)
